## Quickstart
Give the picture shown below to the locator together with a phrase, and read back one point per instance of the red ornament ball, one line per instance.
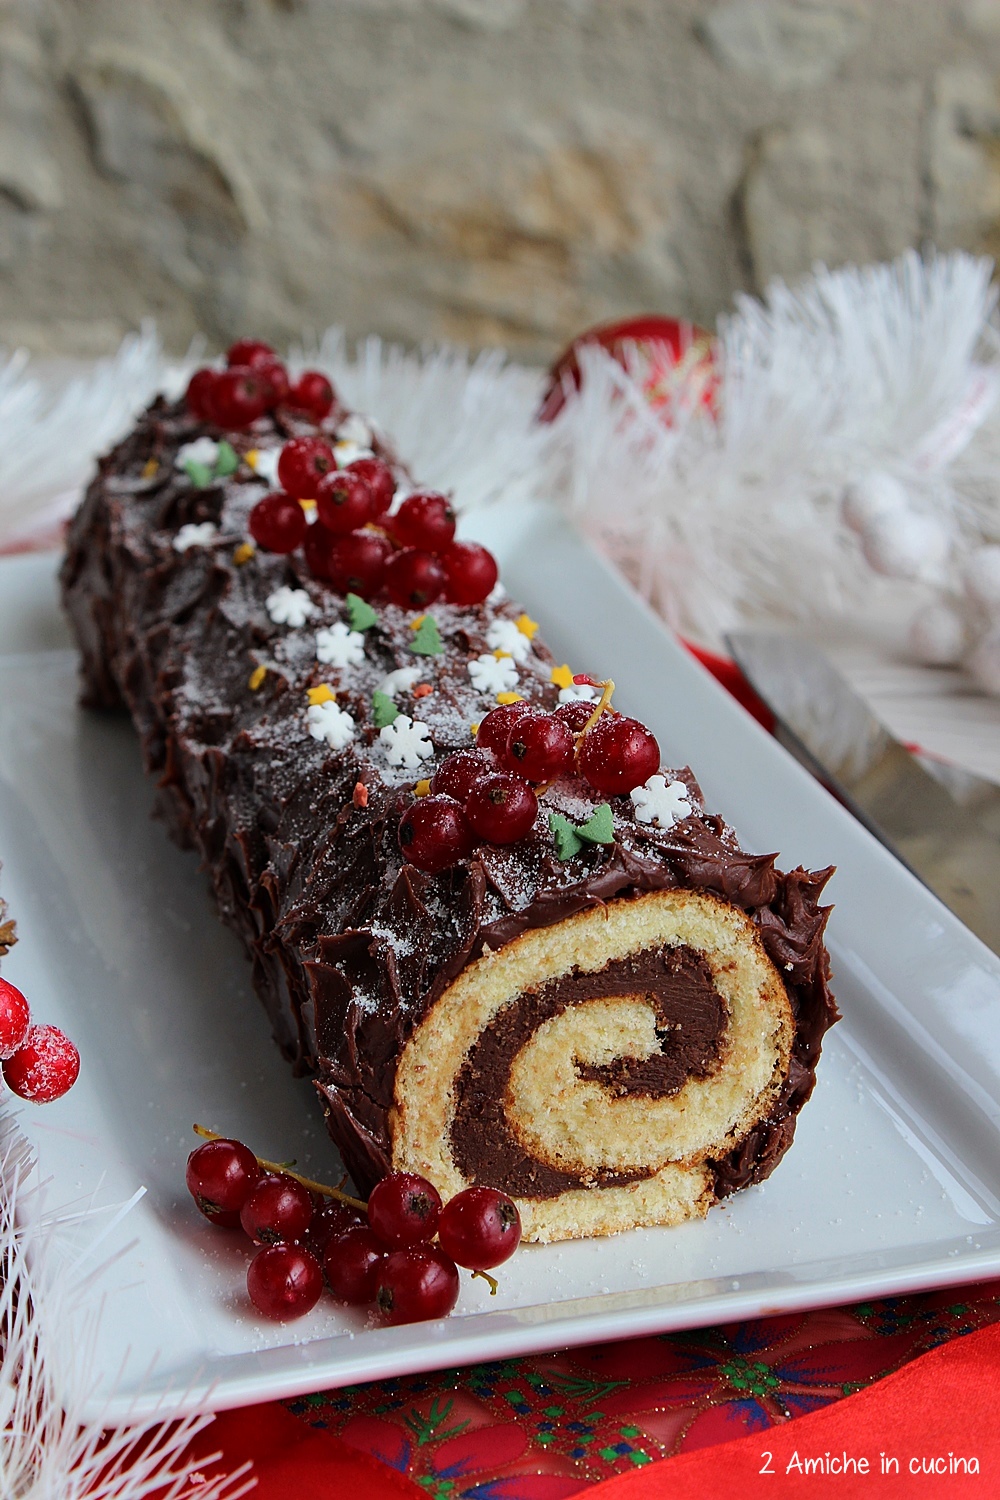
(343, 502)
(470, 573)
(44, 1067)
(15, 1018)
(284, 1281)
(278, 523)
(416, 1284)
(303, 463)
(618, 754)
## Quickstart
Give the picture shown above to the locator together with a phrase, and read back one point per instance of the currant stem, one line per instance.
(487, 1277)
(607, 690)
(277, 1166)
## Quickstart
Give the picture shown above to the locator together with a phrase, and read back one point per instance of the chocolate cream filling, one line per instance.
(691, 1027)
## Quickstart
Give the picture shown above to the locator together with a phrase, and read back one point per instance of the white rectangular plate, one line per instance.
(893, 1182)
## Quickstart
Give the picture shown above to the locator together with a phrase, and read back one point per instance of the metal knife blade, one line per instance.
(945, 827)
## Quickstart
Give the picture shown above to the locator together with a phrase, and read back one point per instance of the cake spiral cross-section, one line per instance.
(614, 1016)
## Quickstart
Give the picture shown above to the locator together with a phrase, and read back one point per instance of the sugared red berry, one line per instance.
(575, 714)
(425, 520)
(502, 808)
(470, 573)
(44, 1067)
(403, 1210)
(618, 754)
(220, 1176)
(494, 731)
(302, 464)
(274, 378)
(15, 1018)
(249, 352)
(416, 1284)
(479, 1228)
(540, 746)
(458, 773)
(277, 1209)
(379, 478)
(284, 1281)
(277, 523)
(199, 393)
(343, 501)
(352, 1262)
(414, 579)
(356, 563)
(313, 394)
(238, 398)
(330, 1218)
(434, 834)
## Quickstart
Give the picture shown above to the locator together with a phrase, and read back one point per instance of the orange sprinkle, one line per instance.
(416, 623)
(561, 676)
(360, 794)
(321, 694)
(308, 505)
(500, 654)
(510, 697)
(527, 626)
(150, 468)
(422, 788)
(473, 730)
(257, 677)
(243, 553)
(422, 690)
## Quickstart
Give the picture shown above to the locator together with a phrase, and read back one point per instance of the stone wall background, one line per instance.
(490, 171)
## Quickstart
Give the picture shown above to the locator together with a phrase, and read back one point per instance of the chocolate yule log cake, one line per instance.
(510, 947)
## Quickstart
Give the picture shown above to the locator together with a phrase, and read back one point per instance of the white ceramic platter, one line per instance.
(893, 1182)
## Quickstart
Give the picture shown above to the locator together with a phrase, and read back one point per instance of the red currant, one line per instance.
(15, 1018)
(575, 714)
(424, 520)
(470, 573)
(44, 1067)
(284, 1281)
(278, 523)
(403, 1210)
(458, 773)
(274, 378)
(502, 808)
(330, 1218)
(379, 478)
(352, 1262)
(434, 834)
(199, 395)
(540, 746)
(414, 579)
(357, 562)
(238, 398)
(618, 754)
(220, 1176)
(343, 501)
(313, 394)
(494, 732)
(277, 1209)
(480, 1228)
(303, 463)
(249, 352)
(416, 1284)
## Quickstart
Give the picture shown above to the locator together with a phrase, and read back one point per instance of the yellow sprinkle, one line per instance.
(252, 457)
(321, 694)
(527, 626)
(561, 676)
(473, 730)
(150, 468)
(243, 553)
(416, 624)
(308, 505)
(422, 788)
(510, 697)
(257, 677)
(500, 654)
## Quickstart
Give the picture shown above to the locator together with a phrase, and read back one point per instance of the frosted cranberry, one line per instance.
(277, 523)
(15, 1018)
(343, 501)
(274, 378)
(313, 394)
(424, 520)
(220, 1176)
(277, 1209)
(238, 398)
(618, 754)
(413, 578)
(379, 478)
(470, 573)
(284, 1281)
(540, 746)
(249, 352)
(352, 1262)
(357, 562)
(502, 808)
(494, 732)
(403, 1210)
(330, 1218)
(480, 1228)
(44, 1067)
(199, 393)
(575, 715)
(458, 773)
(302, 464)
(434, 834)
(416, 1284)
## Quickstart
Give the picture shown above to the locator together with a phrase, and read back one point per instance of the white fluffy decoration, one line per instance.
(982, 577)
(871, 499)
(907, 545)
(937, 635)
(984, 662)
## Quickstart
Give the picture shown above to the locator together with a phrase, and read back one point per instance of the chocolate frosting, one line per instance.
(350, 947)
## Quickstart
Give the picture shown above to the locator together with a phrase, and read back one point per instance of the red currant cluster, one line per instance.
(39, 1063)
(376, 1253)
(254, 382)
(491, 793)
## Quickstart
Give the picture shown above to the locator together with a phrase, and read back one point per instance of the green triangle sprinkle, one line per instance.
(568, 841)
(360, 613)
(227, 460)
(384, 711)
(200, 475)
(427, 638)
(598, 828)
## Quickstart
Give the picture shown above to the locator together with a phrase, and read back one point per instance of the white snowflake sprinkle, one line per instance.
(493, 674)
(330, 723)
(354, 429)
(265, 464)
(339, 646)
(579, 692)
(290, 606)
(407, 741)
(203, 450)
(195, 535)
(346, 453)
(504, 635)
(497, 594)
(656, 802)
(400, 681)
